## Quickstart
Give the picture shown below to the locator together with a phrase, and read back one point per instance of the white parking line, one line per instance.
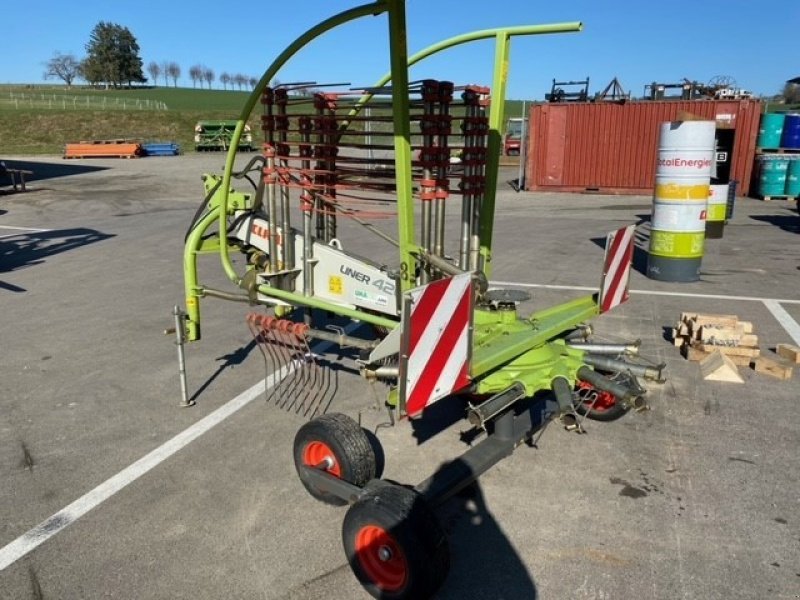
(23, 228)
(649, 292)
(68, 515)
(785, 319)
(65, 517)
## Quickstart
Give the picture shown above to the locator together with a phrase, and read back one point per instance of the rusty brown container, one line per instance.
(611, 148)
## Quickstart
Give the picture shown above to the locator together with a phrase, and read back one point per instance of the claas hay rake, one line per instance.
(436, 327)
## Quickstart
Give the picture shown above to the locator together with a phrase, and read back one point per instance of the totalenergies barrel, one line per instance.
(683, 173)
(716, 211)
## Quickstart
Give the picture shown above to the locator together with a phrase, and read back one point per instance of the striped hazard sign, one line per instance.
(436, 331)
(617, 268)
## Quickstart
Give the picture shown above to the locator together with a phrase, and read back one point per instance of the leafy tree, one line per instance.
(64, 67)
(174, 71)
(208, 75)
(112, 56)
(196, 74)
(791, 93)
(155, 71)
(224, 79)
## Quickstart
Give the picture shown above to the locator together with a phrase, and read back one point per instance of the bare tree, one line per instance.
(224, 79)
(208, 75)
(174, 71)
(253, 82)
(64, 67)
(196, 74)
(239, 80)
(155, 71)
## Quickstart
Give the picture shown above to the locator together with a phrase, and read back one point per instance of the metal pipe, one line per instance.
(430, 92)
(341, 339)
(442, 181)
(582, 332)
(307, 207)
(479, 415)
(563, 393)
(439, 263)
(622, 392)
(180, 340)
(621, 366)
(384, 372)
(272, 207)
(212, 293)
(595, 348)
(287, 247)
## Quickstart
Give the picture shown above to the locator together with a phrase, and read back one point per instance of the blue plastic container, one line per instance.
(770, 130)
(161, 149)
(791, 132)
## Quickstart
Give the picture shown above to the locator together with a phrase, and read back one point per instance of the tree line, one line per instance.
(112, 59)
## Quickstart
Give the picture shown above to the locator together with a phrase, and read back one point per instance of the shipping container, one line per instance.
(611, 148)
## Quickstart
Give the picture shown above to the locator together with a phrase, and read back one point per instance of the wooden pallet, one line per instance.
(700, 335)
(786, 197)
(777, 150)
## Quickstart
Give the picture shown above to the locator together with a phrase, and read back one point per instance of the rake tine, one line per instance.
(286, 360)
(293, 378)
(255, 326)
(277, 364)
(285, 347)
(304, 379)
(314, 387)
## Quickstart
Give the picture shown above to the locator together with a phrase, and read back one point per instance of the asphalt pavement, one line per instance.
(697, 498)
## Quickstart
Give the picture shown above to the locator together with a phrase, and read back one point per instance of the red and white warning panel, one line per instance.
(617, 268)
(437, 344)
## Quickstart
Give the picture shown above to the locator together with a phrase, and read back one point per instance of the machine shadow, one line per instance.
(48, 170)
(34, 247)
(226, 361)
(641, 240)
(438, 417)
(789, 223)
(485, 564)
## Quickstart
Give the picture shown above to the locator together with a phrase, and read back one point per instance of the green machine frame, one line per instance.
(511, 359)
(225, 198)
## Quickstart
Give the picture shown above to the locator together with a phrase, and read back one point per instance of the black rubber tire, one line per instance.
(352, 452)
(415, 533)
(612, 413)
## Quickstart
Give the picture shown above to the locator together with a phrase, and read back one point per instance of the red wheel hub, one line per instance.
(595, 399)
(316, 453)
(381, 558)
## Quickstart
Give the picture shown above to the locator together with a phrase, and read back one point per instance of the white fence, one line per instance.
(33, 100)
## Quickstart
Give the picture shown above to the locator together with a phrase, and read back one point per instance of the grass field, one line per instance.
(41, 119)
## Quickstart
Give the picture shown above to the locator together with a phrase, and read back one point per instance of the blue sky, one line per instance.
(638, 41)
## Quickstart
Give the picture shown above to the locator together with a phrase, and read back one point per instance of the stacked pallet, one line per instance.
(700, 335)
(103, 149)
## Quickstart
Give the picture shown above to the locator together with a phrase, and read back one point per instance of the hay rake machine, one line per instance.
(436, 327)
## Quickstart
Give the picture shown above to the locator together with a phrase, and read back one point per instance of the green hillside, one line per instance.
(41, 119)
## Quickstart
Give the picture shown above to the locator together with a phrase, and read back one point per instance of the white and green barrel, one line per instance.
(717, 210)
(683, 174)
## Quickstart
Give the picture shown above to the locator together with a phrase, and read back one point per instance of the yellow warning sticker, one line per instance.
(335, 285)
